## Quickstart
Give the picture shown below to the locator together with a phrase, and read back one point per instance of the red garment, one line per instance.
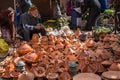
(70, 5)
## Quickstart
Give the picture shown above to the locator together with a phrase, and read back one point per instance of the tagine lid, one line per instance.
(114, 75)
(86, 76)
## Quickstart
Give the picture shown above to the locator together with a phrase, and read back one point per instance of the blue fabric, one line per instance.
(17, 17)
(74, 17)
(103, 4)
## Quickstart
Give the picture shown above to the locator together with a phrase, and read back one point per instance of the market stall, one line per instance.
(61, 55)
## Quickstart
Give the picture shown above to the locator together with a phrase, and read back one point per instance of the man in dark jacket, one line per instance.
(94, 7)
(31, 23)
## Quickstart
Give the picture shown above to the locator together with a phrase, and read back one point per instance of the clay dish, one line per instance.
(111, 75)
(86, 76)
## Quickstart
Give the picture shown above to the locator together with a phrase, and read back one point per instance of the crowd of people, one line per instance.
(27, 18)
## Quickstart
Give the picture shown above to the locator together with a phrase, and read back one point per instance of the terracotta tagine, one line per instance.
(51, 42)
(77, 32)
(6, 74)
(44, 39)
(90, 43)
(106, 63)
(24, 48)
(59, 46)
(89, 67)
(51, 37)
(30, 57)
(55, 54)
(26, 75)
(114, 67)
(117, 50)
(100, 67)
(14, 75)
(2, 70)
(114, 38)
(39, 71)
(51, 73)
(71, 57)
(64, 75)
(103, 53)
(35, 39)
(81, 64)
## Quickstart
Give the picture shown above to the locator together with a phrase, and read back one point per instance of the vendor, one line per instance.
(31, 23)
(94, 8)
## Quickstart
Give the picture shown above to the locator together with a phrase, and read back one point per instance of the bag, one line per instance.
(3, 46)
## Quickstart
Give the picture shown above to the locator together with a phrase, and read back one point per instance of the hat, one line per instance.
(32, 8)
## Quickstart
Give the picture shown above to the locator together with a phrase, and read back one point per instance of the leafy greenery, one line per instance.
(62, 21)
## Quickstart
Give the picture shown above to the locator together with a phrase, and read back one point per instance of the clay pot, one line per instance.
(44, 39)
(56, 54)
(106, 39)
(90, 43)
(66, 42)
(14, 74)
(114, 37)
(2, 70)
(24, 48)
(35, 39)
(77, 32)
(103, 53)
(100, 68)
(26, 76)
(59, 46)
(51, 37)
(114, 67)
(30, 57)
(64, 75)
(52, 76)
(106, 45)
(117, 50)
(81, 64)
(51, 42)
(39, 71)
(71, 58)
(89, 67)
(6, 73)
(106, 63)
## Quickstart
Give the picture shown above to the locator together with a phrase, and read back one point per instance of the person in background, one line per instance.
(31, 23)
(94, 8)
(6, 24)
(24, 5)
(69, 6)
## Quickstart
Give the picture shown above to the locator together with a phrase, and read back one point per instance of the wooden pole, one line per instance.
(15, 5)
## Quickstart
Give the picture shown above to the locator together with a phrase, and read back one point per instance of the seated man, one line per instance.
(31, 23)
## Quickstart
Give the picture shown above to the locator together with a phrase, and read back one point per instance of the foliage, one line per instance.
(60, 22)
